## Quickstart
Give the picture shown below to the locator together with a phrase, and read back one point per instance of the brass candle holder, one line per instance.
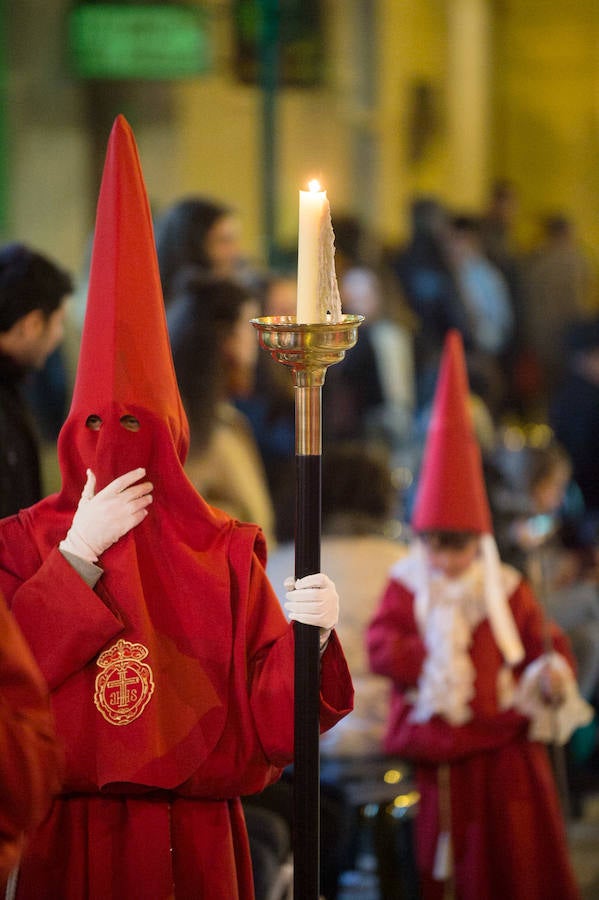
(308, 350)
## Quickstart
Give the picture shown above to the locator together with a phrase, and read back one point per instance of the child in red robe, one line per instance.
(476, 686)
(169, 660)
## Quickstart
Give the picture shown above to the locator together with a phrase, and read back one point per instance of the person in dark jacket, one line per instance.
(33, 292)
(574, 415)
(429, 283)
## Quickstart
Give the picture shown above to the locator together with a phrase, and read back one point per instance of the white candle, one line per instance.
(312, 206)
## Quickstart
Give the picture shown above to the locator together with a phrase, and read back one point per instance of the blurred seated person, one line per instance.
(214, 351)
(537, 532)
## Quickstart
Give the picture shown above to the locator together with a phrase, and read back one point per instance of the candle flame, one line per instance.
(314, 186)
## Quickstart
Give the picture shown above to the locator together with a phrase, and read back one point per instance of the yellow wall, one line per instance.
(513, 86)
(413, 54)
(210, 141)
(440, 47)
(546, 108)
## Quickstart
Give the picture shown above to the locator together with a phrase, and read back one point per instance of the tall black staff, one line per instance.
(308, 350)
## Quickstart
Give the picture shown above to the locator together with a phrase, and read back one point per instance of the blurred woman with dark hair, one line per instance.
(214, 351)
(202, 232)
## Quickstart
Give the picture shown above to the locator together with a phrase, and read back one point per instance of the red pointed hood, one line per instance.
(451, 492)
(125, 362)
(168, 579)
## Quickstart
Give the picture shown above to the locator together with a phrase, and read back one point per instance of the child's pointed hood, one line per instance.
(451, 491)
(452, 494)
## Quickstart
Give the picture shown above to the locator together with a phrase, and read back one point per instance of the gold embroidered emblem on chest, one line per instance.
(125, 684)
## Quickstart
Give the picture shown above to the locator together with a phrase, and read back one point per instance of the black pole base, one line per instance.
(306, 776)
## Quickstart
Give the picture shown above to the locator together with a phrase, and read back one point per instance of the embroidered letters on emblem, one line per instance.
(125, 684)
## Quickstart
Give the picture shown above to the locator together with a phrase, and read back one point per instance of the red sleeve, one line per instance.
(271, 665)
(29, 758)
(66, 623)
(395, 647)
(336, 687)
(538, 632)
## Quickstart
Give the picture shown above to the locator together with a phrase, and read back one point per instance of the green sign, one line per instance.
(142, 41)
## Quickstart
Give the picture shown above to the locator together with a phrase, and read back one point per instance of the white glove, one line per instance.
(314, 601)
(102, 518)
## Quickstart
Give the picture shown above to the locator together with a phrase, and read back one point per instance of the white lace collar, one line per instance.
(497, 580)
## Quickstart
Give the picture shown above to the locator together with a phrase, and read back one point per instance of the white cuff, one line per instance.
(551, 724)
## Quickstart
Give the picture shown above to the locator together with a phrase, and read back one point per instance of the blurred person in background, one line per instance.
(536, 514)
(429, 284)
(574, 415)
(387, 416)
(558, 288)
(353, 387)
(370, 394)
(204, 233)
(33, 296)
(215, 352)
(497, 231)
(270, 409)
(500, 244)
(47, 392)
(487, 303)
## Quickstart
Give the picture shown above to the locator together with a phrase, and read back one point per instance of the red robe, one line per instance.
(172, 680)
(29, 756)
(150, 806)
(506, 825)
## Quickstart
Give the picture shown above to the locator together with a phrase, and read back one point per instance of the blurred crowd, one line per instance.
(529, 320)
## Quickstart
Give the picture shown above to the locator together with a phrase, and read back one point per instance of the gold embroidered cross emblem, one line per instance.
(125, 685)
